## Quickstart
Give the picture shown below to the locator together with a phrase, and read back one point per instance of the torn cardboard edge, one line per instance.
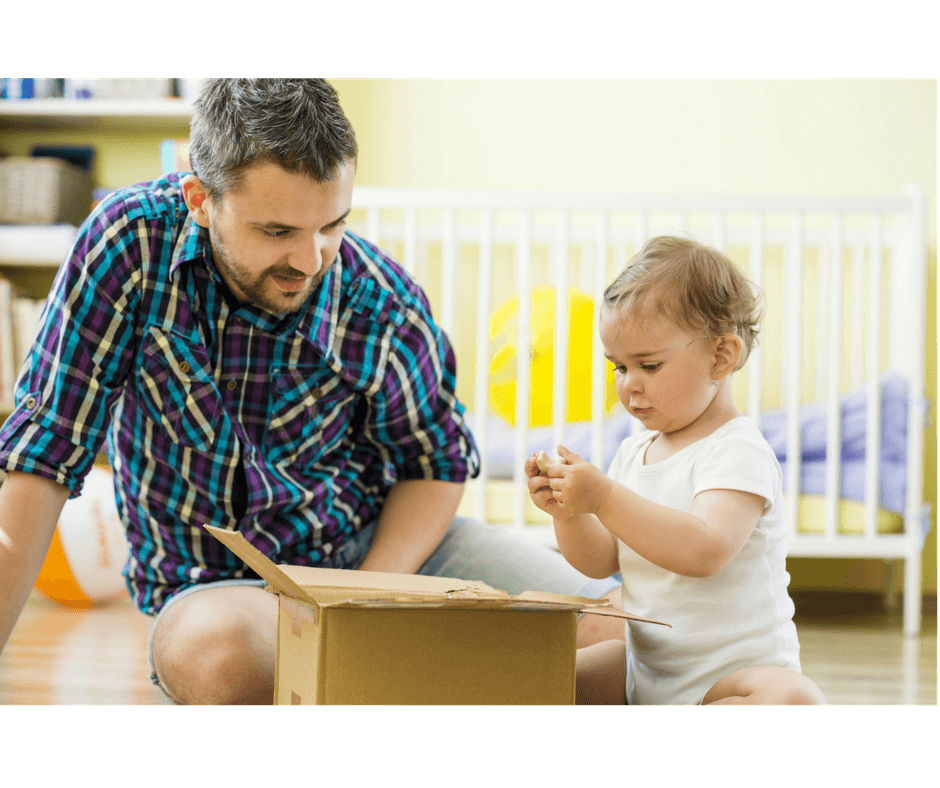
(357, 588)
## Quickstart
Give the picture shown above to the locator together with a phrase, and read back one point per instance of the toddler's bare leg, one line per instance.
(601, 673)
(597, 629)
(765, 685)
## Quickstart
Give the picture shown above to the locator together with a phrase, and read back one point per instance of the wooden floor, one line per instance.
(852, 648)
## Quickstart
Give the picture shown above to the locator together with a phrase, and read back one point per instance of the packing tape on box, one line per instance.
(298, 614)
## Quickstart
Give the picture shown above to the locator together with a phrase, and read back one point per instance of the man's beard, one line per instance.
(259, 289)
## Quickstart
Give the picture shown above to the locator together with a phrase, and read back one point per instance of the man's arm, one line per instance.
(413, 521)
(29, 510)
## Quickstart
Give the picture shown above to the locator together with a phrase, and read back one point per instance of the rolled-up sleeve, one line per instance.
(74, 373)
(417, 416)
(416, 420)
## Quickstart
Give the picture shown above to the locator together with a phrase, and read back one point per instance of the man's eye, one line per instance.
(276, 233)
(650, 367)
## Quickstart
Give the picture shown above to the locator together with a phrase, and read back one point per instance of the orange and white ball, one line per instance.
(85, 560)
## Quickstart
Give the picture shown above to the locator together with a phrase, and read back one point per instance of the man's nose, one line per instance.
(307, 257)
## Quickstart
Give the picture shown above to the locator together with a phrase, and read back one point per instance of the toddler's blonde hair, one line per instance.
(695, 286)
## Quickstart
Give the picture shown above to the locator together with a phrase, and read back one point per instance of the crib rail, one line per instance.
(844, 280)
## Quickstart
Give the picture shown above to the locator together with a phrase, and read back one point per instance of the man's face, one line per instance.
(275, 236)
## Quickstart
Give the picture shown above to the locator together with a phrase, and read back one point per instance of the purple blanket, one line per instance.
(892, 460)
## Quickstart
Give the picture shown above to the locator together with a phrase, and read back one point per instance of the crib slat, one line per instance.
(409, 258)
(372, 224)
(822, 318)
(833, 407)
(448, 275)
(642, 230)
(718, 232)
(857, 344)
(915, 306)
(873, 394)
(599, 362)
(561, 336)
(480, 398)
(754, 361)
(523, 363)
(794, 285)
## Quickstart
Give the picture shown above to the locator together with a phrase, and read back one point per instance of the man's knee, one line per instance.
(217, 647)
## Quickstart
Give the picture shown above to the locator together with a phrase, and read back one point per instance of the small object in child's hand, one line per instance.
(544, 461)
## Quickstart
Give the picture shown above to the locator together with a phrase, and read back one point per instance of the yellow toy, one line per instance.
(502, 370)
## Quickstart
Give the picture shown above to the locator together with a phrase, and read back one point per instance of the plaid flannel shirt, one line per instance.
(291, 429)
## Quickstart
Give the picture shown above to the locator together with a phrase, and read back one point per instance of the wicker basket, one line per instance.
(43, 190)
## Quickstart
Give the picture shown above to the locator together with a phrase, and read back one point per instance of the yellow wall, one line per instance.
(682, 136)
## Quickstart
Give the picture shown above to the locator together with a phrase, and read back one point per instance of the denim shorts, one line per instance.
(470, 550)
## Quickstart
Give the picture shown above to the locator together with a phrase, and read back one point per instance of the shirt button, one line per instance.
(184, 368)
(231, 385)
(317, 393)
(30, 403)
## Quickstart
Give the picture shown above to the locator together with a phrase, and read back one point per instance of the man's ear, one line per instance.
(196, 195)
(728, 351)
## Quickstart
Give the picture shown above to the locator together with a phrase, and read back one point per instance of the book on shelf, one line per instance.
(19, 326)
(174, 156)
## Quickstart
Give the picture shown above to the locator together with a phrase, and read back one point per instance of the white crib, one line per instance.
(841, 331)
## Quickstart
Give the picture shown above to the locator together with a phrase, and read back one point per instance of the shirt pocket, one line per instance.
(310, 414)
(178, 388)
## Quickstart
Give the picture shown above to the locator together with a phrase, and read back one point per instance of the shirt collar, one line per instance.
(192, 244)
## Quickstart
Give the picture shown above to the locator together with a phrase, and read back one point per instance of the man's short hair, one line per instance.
(297, 124)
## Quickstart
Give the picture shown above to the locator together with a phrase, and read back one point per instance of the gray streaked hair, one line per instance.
(297, 124)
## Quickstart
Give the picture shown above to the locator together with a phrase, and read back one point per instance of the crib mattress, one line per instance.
(812, 512)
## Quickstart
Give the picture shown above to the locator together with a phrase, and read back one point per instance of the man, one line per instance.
(253, 366)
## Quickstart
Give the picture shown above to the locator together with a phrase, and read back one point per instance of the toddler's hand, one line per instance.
(577, 486)
(544, 461)
(536, 468)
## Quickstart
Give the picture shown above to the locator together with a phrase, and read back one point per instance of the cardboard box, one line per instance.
(354, 637)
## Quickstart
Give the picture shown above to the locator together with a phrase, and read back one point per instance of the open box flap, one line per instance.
(616, 612)
(312, 577)
(601, 607)
(258, 561)
(302, 582)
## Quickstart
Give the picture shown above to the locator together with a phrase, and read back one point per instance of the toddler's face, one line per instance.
(663, 372)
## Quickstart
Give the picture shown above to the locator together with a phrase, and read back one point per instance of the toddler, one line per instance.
(691, 510)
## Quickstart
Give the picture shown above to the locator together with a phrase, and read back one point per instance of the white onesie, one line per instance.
(740, 617)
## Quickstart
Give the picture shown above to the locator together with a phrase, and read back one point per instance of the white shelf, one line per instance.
(113, 113)
(35, 245)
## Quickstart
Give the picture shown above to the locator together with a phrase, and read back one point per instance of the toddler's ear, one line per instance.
(727, 354)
